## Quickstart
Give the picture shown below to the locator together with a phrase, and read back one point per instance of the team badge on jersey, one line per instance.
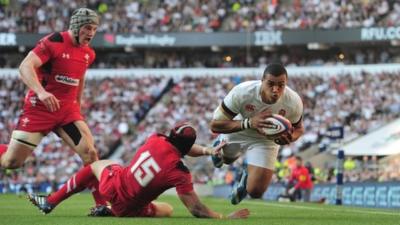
(33, 100)
(87, 58)
(25, 121)
(250, 107)
(65, 55)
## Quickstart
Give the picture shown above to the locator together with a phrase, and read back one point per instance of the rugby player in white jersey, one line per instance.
(239, 117)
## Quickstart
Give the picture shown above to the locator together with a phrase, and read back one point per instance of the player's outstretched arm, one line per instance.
(223, 122)
(198, 209)
(200, 150)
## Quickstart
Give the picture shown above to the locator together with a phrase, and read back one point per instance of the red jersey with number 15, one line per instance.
(156, 167)
(64, 66)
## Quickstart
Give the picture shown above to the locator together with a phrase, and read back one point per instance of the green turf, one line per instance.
(18, 210)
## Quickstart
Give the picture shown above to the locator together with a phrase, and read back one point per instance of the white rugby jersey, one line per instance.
(245, 100)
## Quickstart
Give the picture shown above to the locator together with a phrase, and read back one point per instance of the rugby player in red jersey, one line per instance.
(155, 167)
(54, 71)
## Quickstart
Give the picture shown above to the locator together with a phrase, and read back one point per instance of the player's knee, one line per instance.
(89, 160)
(229, 160)
(256, 192)
(169, 210)
(163, 209)
(231, 152)
(11, 163)
(89, 157)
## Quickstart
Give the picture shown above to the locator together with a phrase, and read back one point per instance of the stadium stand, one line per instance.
(201, 16)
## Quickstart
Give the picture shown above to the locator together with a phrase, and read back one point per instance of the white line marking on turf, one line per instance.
(313, 208)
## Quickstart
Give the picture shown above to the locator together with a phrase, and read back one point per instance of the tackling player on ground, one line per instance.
(239, 119)
(155, 167)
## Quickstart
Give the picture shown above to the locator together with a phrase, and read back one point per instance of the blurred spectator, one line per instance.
(42, 16)
(300, 178)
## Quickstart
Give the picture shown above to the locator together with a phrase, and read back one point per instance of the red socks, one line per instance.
(77, 183)
(94, 188)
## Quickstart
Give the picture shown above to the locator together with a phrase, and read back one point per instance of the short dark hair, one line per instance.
(299, 158)
(275, 69)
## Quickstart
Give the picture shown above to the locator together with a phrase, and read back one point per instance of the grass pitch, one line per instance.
(18, 210)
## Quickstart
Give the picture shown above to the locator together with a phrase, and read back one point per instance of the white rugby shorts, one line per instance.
(257, 151)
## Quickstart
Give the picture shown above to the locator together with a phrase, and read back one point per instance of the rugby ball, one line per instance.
(277, 125)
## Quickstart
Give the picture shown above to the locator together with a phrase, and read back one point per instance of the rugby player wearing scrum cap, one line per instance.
(54, 71)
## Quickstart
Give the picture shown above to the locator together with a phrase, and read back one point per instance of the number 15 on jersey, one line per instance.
(145, 169)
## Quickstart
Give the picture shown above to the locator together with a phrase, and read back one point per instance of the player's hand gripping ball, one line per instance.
(279, 129)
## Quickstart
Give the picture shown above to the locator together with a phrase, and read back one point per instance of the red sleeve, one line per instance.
(185, 186)
(43, 50)
(183, 183)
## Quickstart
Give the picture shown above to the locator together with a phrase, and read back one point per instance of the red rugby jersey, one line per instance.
(64, 66)
(156, 167)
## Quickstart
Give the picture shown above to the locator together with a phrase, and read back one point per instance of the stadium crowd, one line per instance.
(43, 16)
(232, 59)
(257, 58)
(123, 111)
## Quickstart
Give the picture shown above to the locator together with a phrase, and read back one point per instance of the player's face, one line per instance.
(273, 87)
(299, 163)
(86, 33)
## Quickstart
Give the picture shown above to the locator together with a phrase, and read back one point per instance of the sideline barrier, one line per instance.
(366, 194)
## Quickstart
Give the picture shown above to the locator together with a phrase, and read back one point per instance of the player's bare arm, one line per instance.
(29, 77)
(80, 90)
(223, 121)
(198, 209)
(200, 150)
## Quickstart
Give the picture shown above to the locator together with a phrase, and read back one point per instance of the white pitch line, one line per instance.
(313, 208)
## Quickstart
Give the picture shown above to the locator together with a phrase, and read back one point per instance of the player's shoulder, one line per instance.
(56, 38)
(292, 95)
(181, 167)
(159, 144)
(156, 138)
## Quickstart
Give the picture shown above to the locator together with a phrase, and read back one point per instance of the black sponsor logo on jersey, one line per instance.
(67, 80)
